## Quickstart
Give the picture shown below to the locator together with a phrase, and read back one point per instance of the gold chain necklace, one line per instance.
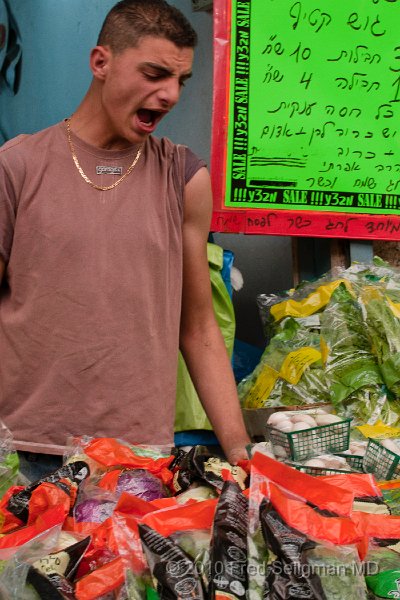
(102, 188)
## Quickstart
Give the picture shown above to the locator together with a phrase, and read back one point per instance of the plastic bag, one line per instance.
(313, 553)
(383, 324)
(356, 384)
(229, 544)
(201, 465)
(59, 487)
(176, 543)
(330, 499)
(304, 303)
(54, 573)
(290, 371)
(15, 561)
(383, 576)
(9, 462)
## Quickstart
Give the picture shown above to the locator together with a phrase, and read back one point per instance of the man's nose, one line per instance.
(170, 92)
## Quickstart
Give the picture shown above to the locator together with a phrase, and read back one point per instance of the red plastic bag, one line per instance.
(322, 494)
(50, 518)
(297, 514)
(103, 580)
(109, 452)
(361, 484)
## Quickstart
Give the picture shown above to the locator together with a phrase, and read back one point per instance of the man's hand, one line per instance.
(237, 453)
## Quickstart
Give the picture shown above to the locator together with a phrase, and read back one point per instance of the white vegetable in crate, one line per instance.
(391, 445)
(280, 452)
(335, 462)
(327, 419)
(304, 418)
(300, 426)
(285, 425)
(315, 462)
(356, 448)
(328, 461)
(276, 417)
(316, 443)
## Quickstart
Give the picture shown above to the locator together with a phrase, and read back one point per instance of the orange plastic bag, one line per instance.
(109, 452)
(103, 580)
(297, 514)
(322, 494)
(361, 484)
(52, 517)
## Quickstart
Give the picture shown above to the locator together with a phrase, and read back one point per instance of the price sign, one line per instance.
(306, 128)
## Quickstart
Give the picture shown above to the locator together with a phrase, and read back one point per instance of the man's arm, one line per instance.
(201, 341)
(2, 268)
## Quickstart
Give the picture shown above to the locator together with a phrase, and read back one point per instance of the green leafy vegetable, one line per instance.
(356, 384)
(312, 386)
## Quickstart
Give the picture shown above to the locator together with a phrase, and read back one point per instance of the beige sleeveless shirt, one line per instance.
(90, 310)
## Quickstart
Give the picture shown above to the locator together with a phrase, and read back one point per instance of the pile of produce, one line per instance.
(118, 521)
(334, 341)
(131, 522)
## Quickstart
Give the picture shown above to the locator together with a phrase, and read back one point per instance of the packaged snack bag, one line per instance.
(200, 465)
(229, 544)
(67, 479)
(54, 573)
(176, 543)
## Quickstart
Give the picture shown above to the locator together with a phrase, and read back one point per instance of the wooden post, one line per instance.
(339, 250)
(389, 251)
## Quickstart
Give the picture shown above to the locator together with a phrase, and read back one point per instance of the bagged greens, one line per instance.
(384, 581)
(383, 326)
(353, 316)
(355, 382)
(290, 371)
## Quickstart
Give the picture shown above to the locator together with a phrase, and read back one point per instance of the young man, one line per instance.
(103, 232)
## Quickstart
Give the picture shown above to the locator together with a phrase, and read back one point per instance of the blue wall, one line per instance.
(57, 36)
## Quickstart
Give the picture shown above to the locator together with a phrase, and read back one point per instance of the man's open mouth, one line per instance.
(148, 117)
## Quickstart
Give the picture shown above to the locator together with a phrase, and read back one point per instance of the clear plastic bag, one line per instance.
(9, 462)
(289, 373)
(356, 384)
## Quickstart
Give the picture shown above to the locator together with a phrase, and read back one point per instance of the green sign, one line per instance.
(315, 106)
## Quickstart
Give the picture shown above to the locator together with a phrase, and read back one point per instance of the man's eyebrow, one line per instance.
(163, 70)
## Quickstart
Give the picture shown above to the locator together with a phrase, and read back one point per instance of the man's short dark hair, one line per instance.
(131, 20)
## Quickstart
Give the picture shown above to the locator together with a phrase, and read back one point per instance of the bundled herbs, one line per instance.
(354, 321)
(356, 384)
(304, 304)
(383, 326)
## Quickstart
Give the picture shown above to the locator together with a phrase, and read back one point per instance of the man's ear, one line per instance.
(99, 61)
